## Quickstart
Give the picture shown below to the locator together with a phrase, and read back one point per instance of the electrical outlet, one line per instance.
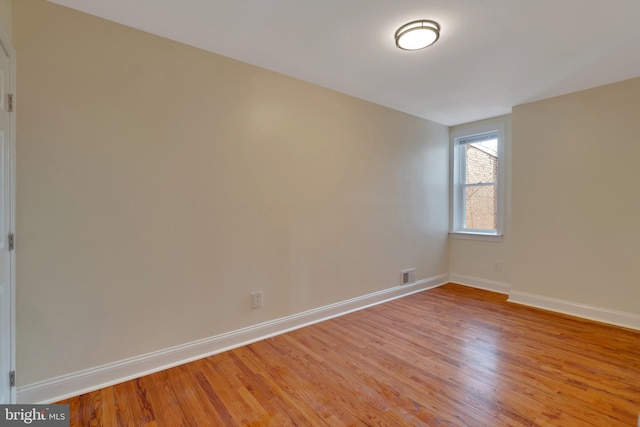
(408, 276)
(497, 266)
(256, 300)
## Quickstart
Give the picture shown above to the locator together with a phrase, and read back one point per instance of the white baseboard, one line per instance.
(113, 373)
(619, 318)
(477, 282)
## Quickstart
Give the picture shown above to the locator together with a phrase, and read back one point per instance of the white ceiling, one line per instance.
(492, 54)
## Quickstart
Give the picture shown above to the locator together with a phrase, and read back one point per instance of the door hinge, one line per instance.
(12, 378)
(12, 241)
(11, 102)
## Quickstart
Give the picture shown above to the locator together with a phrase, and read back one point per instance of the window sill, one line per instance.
(486, 237)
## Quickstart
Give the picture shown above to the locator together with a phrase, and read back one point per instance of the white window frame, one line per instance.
(457, 177)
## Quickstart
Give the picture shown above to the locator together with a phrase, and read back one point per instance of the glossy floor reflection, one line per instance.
(448, 356)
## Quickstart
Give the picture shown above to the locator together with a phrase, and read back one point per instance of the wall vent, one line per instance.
(408, 276)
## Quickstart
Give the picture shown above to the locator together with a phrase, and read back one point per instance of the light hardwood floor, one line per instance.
(450, 356)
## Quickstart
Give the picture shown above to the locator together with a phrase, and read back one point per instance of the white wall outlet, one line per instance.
(256, 300)
(408, 276)
(497, 266)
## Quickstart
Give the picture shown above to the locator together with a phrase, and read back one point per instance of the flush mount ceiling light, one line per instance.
(417, 34)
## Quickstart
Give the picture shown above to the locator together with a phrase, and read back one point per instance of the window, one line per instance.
(477, 181)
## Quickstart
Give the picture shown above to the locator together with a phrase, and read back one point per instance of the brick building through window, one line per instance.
(481, 201)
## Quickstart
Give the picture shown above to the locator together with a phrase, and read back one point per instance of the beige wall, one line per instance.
(575, 197)
(158, 185)
(6, 15)
(475, 259)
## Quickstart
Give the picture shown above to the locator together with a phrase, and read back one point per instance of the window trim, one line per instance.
(456, 178)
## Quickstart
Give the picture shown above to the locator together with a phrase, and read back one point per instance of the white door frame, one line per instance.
(6, 42)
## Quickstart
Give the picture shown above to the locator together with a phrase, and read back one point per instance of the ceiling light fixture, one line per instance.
(417, 34)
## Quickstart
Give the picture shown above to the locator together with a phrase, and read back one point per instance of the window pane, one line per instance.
(481, 159)
(481, 207)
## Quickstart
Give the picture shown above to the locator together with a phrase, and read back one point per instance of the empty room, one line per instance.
(321, 213)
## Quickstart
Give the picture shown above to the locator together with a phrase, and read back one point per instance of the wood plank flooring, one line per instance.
(450, 356)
